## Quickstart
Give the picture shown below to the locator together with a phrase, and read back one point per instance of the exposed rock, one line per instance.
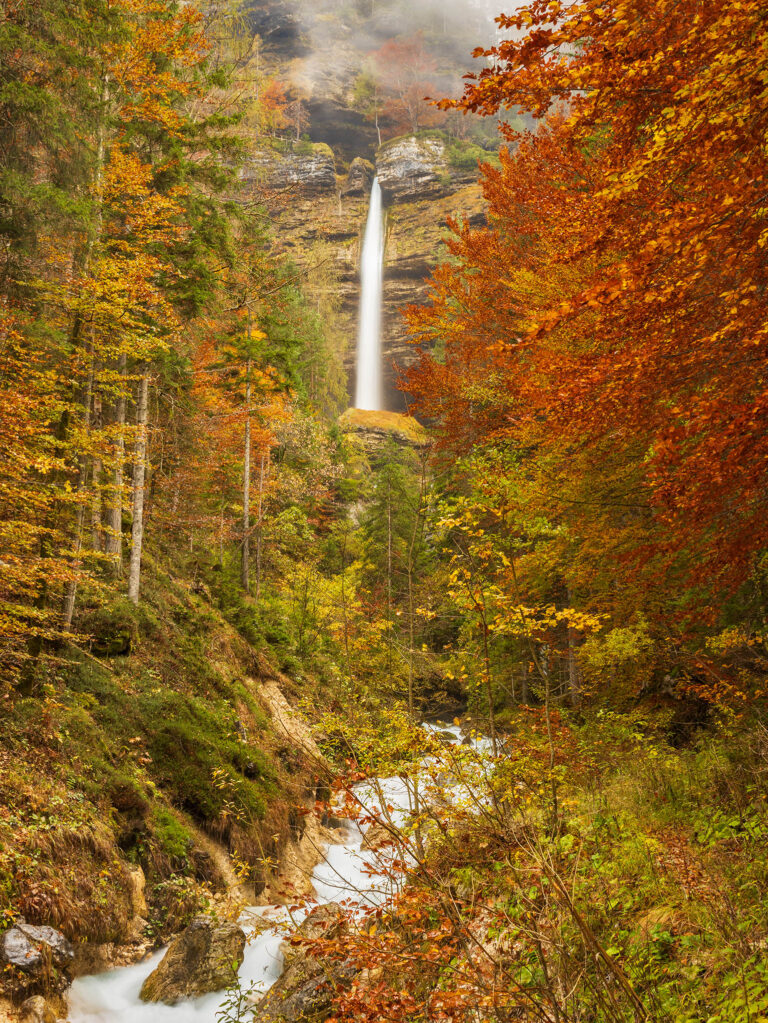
(287, 722)
(324, 921)
(137, 884)
(376, 428)
(411, 168)
(309, 168)
(359, 178)
(376, 837)
(37, 1010)
(97, 957)
(205, 957)
(306, 988)
(298, 859)
(304, 993)
(38, 957)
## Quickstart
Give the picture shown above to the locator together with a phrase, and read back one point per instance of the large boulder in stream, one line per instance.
(308, 983)
(205, 957)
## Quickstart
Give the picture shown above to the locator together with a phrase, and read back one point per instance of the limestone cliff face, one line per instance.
(320, 216)
(317, 192)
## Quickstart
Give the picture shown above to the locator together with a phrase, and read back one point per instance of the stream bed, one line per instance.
(347, 874)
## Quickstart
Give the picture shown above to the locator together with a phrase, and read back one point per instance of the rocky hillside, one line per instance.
(319, 216)
(317, 187)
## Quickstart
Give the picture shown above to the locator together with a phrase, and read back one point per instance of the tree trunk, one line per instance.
(259, 522)
(245, 564)
(97, 533)
(70, 594)
(114, 546)
(574, 681)
(139, 467)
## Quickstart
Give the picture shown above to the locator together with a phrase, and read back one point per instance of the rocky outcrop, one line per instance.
(326, 921)
(359, 178)
(287, 723)
(205, 957)
(415, 167)
(309, 168)
(376, 428)
(307, 986)
(37, 1010)
(35, 958)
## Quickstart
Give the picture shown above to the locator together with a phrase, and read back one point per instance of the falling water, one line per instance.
(368, 390)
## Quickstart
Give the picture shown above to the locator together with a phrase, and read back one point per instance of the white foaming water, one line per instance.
(349, 874)
(368, 388)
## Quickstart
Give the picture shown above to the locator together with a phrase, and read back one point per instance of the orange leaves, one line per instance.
(616, 300)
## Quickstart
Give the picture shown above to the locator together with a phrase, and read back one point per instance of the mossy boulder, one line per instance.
(205, 957)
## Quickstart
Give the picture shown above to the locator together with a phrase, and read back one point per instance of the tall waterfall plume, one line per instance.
(368, 392)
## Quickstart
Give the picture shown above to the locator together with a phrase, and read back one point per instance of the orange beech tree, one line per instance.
(610, 322)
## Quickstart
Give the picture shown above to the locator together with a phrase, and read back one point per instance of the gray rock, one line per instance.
(307, 985)
(359, 178)
(204, 957)
(31, 948)
(412, 168)
(310, 169)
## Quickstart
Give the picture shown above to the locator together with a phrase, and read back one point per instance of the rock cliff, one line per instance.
(319, 219)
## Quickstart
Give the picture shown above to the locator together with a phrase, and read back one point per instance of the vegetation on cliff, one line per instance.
(571, 556)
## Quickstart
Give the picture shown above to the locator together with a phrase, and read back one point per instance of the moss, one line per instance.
(393, 423)
(172, 838)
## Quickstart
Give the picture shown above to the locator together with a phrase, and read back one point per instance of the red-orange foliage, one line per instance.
(615, 305)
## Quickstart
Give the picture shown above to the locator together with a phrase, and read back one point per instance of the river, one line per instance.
(347, 874)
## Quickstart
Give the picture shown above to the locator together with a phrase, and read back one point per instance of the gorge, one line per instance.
(383, 547)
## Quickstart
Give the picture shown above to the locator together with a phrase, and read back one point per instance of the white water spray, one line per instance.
(368, 390)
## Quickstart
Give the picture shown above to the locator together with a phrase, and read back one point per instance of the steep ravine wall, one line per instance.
(319, 216)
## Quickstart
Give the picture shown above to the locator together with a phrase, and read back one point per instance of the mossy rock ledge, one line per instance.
(375, 428)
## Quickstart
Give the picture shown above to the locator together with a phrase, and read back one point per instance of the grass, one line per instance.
(154, 730)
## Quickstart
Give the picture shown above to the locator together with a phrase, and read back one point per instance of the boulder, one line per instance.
(359, 178)
(324, 921)
(38, 957)
(37, 1010)
(376, 837)
(307, 985)
(205, 957)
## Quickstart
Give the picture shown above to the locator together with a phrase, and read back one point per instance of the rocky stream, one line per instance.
(272, 984)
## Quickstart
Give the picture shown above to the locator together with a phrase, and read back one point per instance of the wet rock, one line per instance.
(376, 837)
(413, 168)
(359, 178)
(306, 988)
(36, 958)
(98, 957)
(37, 1010)
(324, 921)
(310, 168)
(205, 957)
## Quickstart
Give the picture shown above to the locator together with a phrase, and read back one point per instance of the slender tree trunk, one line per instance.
(389, 575)
(70, 594)
(97, 533)
(114, 546)
(245, 563)
(139, 469)
(259, 523)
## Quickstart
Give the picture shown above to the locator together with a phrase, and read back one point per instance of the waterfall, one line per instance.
(368, 390)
